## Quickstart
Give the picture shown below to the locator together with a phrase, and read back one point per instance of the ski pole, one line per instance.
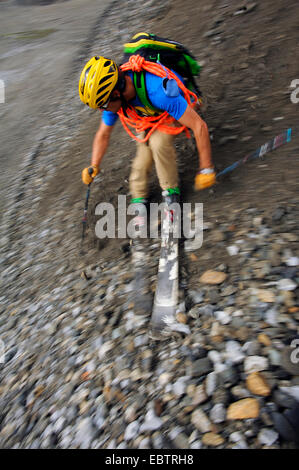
(84, 220)
(273, 144)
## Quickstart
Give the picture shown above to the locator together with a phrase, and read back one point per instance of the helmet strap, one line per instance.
(121, 82)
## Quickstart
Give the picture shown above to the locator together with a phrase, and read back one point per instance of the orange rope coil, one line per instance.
(164, 122)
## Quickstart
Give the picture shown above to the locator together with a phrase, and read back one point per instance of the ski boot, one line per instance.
(171, 195)
(171, 199)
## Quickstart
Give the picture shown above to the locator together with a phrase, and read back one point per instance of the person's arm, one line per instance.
(206, 175)
(199, 127)
(99, 148)
(100, 143)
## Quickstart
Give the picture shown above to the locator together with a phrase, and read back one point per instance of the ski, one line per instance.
(163, 319)
(273, 144)
(141, 296)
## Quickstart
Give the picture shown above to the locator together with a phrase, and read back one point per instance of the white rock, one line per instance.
(145, 444)
(164, 379)
(131, 431)
(223, 317)
(130, 413)
(234, 352)
(238, 313)
(151, 422)
(232, 250)
(211, 383)
(140, 340)
(255, 364)
(214, 356)
(239, 439)
(218, 413)
(175, 432)
(76, 311)
(292, 261)
(84, 434)
(292, 391)
(271, 317)
(106, 347)
(196, 445)
(179, 387)
(267, 437)
(220, 367)
(286, 284)
(200, 420)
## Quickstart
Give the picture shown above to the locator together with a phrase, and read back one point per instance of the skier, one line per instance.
(105, 86)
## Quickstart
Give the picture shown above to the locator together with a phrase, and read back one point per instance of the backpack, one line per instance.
(171, 54)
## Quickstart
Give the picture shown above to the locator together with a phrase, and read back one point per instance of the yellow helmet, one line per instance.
(97, 80)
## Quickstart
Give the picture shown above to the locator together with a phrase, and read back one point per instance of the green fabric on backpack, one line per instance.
(171, 54)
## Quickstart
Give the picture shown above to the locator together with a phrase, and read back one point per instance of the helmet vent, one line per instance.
(103, 88)
(103, 80)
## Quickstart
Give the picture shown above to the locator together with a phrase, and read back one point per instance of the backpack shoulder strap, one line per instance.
(140, 87)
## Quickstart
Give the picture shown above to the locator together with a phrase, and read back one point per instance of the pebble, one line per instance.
(179, 438)
(180, 386)
(199, 395)
(233, 352)
(197, 297)
(239, 439)
(145, 443)
(286, 284)
(223, 317)
(256, 383)
(266, 296)
(218, 413)
(255, 364)
(85, 433)
(292, 391)
(131, 431)
(213, 440)
(228, 376)
(151, 422)
(243, 409)
(292, 261)
(212, 277)
(264, 339)
(211, 383)
(200, 420)
(232, 250)
(201, 367)
(267, 437)
(274, 357)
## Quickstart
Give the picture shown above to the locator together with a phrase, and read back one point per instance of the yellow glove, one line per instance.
(88, 174)
(205, 178)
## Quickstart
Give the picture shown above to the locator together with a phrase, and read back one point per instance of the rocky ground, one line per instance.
(79, 369)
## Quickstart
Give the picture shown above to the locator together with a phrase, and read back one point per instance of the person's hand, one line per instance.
(205, 178)
(89, 173)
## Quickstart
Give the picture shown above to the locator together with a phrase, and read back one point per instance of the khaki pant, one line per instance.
(159, 149)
